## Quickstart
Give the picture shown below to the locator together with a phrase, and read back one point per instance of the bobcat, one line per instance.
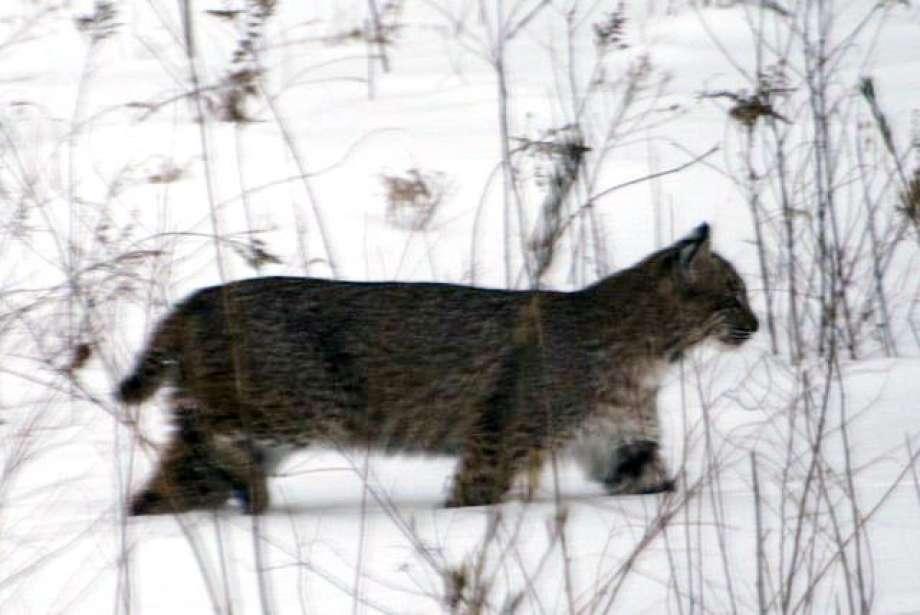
(496, 377)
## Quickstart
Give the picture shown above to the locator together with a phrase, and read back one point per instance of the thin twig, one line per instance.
(596, 197)
(760, 537)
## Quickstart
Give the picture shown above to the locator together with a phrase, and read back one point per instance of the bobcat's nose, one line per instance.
(749, 328)
(742, 330)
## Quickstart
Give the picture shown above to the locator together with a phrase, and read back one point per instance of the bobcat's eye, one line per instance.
(733, 302)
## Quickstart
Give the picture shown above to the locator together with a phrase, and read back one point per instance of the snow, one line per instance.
(350, 532)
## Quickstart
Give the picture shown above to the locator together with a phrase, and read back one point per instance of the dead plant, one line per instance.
(413, 198)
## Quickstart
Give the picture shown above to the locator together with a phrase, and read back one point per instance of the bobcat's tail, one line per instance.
(153, 364)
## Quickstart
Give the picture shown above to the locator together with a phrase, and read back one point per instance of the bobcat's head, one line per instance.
(711, 291)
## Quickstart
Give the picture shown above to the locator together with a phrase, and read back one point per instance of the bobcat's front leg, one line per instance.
(637, 467)
(622, 450)
(492, 457)
(483, 475)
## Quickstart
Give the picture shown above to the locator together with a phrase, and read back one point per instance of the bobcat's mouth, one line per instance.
(737, 329)
(736, 336)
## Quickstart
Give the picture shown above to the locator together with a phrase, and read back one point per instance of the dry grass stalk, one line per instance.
(101, 23)
(413, 199)
(909, 198)
(564, 150)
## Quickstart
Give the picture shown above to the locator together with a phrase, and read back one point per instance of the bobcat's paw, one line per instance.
(253, 501)
(639, 469)
(472, 497)
(147, 503)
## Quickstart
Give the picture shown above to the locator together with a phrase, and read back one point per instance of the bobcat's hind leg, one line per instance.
(244, 467)
(200, 470)
(199, 476)
(186, 479)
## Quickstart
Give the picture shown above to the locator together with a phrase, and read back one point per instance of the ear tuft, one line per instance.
(700, 233)
(691, 245)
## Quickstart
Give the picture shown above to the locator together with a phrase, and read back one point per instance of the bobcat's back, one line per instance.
(402, 366)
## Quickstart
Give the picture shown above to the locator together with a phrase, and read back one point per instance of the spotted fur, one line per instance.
(495, 377)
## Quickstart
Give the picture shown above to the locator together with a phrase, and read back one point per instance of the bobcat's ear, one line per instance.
(690, 248)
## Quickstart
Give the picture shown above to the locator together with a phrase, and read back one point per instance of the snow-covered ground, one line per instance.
(117, 200)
